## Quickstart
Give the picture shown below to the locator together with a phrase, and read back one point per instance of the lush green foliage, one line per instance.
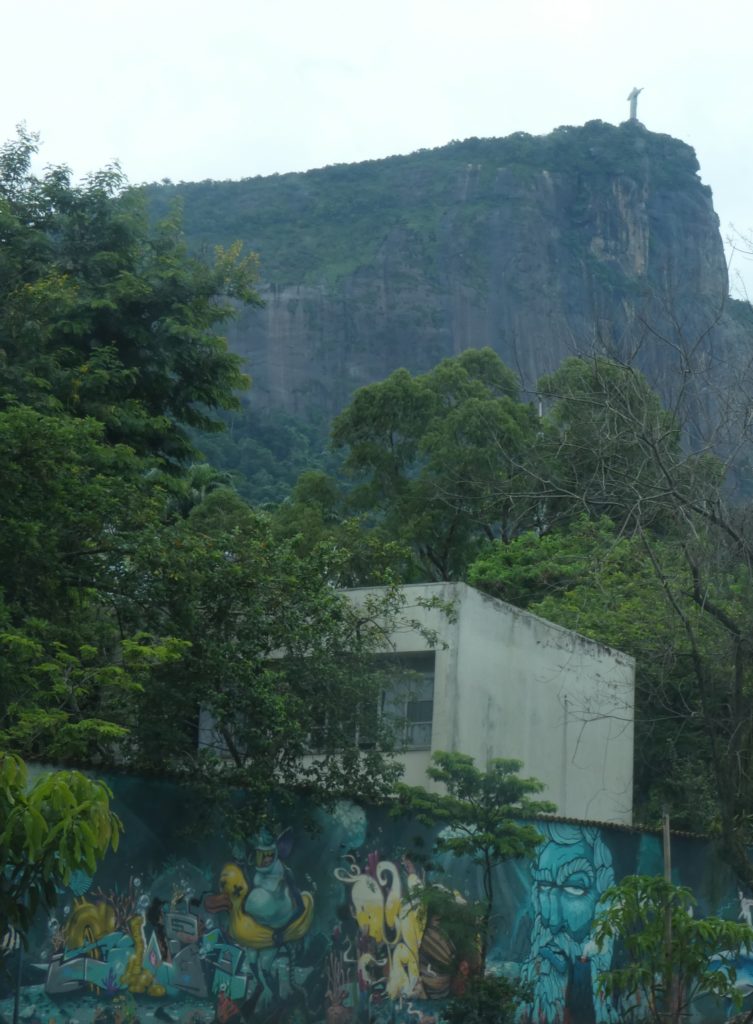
(59, 824)
(533, 567)
(609, 445)
(264, 454)
(73, 508)
(103, 316)
(278, 661)
(139, 588)
(667, 578)
(482, 813)
(487, 999)
(436, 459)
(670, 956)
(319, 511)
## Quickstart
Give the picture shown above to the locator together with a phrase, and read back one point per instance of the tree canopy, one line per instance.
(666, 578)
(57, 824)
(104, 315)
(483, 814)
(435, 459)
(671, 956)
(149, 617)
(612, 514)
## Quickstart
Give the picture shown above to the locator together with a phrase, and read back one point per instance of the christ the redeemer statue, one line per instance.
(633, 97)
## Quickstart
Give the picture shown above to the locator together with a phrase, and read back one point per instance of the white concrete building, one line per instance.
(501, 682)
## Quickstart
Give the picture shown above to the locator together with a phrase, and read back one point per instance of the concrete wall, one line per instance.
(509, 684)
(188, 925)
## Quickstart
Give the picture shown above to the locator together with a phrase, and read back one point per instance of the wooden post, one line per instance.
(19, 974)
(672, 994)
(666, 845)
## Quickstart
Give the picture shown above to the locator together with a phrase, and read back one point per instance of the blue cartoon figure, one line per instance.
(275, 900)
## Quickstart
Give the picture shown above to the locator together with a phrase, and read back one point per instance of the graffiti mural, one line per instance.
(573, 867)
(324, 927)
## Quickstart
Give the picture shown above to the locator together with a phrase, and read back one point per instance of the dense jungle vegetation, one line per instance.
(140, 581)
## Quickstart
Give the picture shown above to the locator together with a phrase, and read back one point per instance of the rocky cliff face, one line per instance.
(595, 237)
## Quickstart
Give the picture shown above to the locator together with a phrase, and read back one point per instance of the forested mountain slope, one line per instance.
(540, 247)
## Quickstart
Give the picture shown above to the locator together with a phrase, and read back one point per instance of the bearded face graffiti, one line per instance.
(572, 870)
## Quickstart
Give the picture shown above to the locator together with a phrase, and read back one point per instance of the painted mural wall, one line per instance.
(298, 928)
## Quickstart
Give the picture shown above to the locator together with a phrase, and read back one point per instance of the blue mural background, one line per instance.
(186, 926)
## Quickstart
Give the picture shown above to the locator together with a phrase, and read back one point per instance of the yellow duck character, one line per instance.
(245, 929)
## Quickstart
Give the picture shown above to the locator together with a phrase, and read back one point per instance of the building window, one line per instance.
(408, 698)
(405, 708)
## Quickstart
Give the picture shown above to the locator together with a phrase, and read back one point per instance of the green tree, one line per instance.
(71, 505)
(266, 451)
(73, 509)
(318, 512)
(108, 354)
(653, 469)
(483, 814)
(607, 436)
(436, 459)
(142, 598)
(591, 577)
(535, 566)
(103, 316)
(671, 957)
(204, 646)
(487, 999)
(279, 678)
(59, 824)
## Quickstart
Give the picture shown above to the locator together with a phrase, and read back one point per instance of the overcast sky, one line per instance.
(193, 89)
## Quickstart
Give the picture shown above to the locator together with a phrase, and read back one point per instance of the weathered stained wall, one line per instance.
(316, 929)
(510, 684)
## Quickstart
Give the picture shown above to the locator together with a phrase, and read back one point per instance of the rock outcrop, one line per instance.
(598, 237)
